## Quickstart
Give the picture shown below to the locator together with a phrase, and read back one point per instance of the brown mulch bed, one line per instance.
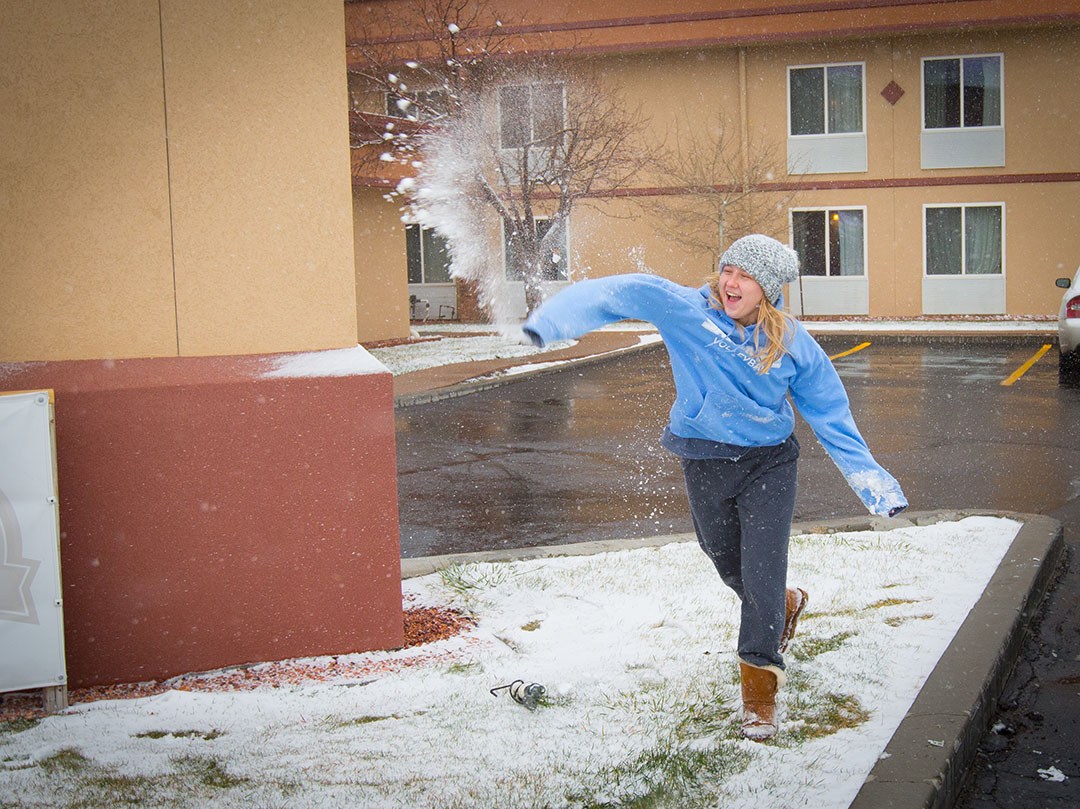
(423, 625)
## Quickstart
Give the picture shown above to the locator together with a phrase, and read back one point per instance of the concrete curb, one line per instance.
(925, 762)
(957, 700)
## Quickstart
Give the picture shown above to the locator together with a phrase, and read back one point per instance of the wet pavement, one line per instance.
(575, 456)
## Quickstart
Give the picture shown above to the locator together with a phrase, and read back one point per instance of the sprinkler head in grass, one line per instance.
(527, 694)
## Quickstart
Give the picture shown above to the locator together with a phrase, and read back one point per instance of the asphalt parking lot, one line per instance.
(575, 456)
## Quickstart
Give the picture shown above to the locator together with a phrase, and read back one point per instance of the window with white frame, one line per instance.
(826, 114)
(826, 99)
(426, 256)
(962, 92)
(963, 118)
(531, 115)
(963, 239)
(830, 242)
(554, 264)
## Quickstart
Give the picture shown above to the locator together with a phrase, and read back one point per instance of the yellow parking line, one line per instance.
(859, 347)
(1023, 369)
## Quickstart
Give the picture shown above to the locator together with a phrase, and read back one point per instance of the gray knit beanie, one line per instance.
(769, 262)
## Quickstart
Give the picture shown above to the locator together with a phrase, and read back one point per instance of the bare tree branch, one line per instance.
(527, 137)
(726, 187)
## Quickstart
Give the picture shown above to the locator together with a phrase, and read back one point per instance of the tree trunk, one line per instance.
(532, 275)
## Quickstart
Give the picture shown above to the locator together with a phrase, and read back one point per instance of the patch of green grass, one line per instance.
(67, 760)
(707, 718)
(697, 747)
(207, 735)
(822, 715)
(471, 579)
(807, 648)
(667, 776)
(859, 541)
(88, 785)
(110, 789)
(367, 720)
(892, 602)
(18, 725)
(463, 668)
(532, 626)
(852, 611)
(903, 619)
(208, 771)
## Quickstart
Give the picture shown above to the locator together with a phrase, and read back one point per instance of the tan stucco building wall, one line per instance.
(173, 179)
(382, 289)
(691, 71)
(1042, 222)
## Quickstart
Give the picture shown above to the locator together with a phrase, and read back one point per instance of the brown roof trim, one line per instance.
(751, 13)
(844, 185)
(817, 35)
(808, 185)
(690, 16)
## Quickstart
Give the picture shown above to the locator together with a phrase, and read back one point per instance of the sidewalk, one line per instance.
(926, 762)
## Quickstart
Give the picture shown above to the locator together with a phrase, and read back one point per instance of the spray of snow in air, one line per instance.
(446, 197)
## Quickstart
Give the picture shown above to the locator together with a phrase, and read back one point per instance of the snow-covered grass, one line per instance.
(402, 359)
(462, 343)
(636, 651)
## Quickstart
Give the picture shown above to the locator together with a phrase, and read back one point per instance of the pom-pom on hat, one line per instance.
(769, 262)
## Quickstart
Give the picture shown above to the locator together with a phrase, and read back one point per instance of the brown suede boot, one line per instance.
(796, 603)
(759, 685)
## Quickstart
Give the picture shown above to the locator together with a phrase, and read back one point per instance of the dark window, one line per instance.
(963, 240)
(530, 114)
(829, 242)
(962, 92)
(426, 256)
(826, 100)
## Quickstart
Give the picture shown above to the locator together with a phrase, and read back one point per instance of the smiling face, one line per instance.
(740, 295)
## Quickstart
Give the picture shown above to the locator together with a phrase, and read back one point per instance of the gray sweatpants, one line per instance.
(742, 509)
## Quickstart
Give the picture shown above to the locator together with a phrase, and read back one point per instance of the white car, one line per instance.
(1069, 329)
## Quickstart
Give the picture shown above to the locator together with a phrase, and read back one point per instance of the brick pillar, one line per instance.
(469, 309)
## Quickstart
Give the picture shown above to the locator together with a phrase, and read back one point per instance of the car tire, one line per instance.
(1069, 369)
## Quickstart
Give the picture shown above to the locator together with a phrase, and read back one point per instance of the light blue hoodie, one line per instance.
(720, 396)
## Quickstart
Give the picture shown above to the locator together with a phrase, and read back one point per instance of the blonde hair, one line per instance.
(776, 324)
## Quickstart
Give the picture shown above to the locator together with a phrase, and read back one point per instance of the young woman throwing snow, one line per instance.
(735, 358)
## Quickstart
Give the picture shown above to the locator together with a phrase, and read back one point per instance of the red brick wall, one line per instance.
(211, 516)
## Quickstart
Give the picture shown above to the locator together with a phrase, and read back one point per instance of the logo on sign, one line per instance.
(16, 573)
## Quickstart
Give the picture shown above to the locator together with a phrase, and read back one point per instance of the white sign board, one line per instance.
(31, 614)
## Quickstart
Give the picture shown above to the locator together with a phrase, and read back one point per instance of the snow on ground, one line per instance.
(950, 326)
(470, 346)
(401, 359)
(636, 651)
(336, 362)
